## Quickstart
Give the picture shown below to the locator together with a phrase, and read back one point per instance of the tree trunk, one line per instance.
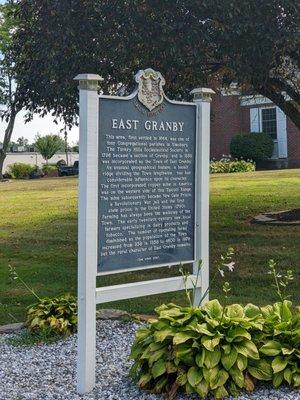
(7, 137)
(66, 147)
(2, 158)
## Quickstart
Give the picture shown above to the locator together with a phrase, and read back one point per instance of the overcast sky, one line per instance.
(42, 126)
(38, 125)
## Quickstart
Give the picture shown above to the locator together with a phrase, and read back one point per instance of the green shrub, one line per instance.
(219, 350)
(252, 146)
(20, 170)
(58, 315)
(280, 345)
(197, 349)
(48, 169)
(228, 165)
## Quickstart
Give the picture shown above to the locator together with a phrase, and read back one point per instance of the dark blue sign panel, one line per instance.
(146, 183)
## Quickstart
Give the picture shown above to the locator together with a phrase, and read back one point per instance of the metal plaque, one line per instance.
(146, 178)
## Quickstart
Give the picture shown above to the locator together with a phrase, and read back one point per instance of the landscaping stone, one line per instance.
(48, 372)
(110, 313)
(10, 328)
(280, 218)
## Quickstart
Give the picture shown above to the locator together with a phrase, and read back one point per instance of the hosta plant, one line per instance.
(280, 346)
(57, 314)
(197, 349)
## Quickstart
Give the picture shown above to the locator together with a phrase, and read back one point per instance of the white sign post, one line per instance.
(88, 294)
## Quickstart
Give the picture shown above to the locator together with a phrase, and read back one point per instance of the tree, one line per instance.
(9, 89)
(252, 43)
(22, 141)
(48, 145)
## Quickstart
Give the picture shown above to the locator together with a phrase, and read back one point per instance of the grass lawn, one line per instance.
(38, 233)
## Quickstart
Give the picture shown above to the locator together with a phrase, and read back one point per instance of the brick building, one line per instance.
(233, 113)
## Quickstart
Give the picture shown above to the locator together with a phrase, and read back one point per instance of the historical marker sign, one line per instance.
(146, 179)
(143, 197)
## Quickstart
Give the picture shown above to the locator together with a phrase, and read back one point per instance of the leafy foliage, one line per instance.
(279, 346)
(48, 145)
(210, 348)
(229, 165)
(20, 170)
(253, 146)
(58, 315)
(217, 349)
(49, 169)
(199, 350)
(254, 44)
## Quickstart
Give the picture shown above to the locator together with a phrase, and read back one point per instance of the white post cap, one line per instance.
(203, 94)
(88, 81)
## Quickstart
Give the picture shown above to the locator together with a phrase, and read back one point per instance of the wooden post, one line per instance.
(87, 230)
(202, 98)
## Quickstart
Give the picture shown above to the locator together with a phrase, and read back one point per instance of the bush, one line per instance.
(217, 349)
(50, 170)
(199, 349)
(228, 165)
(280, 346)
(20, 170)
(58, 315)
(252, 146)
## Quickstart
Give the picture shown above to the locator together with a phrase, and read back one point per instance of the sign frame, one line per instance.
(88, 294)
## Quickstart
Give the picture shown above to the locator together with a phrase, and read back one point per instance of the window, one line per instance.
(269, 125)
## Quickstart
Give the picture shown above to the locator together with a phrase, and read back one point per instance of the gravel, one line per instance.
(48, 372)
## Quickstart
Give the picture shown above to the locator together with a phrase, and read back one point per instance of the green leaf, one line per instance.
(271, 348)
(209, 343)
(237, 332)
(213, 309)
(248, 349)
(233, 390)
(200, 328)
(220, 392)
(220, 379)
(181, 379)
(296, 380)
(144, 379)
(226, 348)
(261, 370)
(242, 362)
(160, 336)
(228, 360)
(212, 358)
(158, 388)
(156, 355)
(287, 374)
(194, 376)
(188, 389)
(279, 363)
(237, 376)
(200, 358)
(171, 313)
(251, 311)
(277, 379)
(287, 351)
(202, 388)
(182, 337)
(142, 333)
(210, 374)
(235, 311)
(158, 368)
